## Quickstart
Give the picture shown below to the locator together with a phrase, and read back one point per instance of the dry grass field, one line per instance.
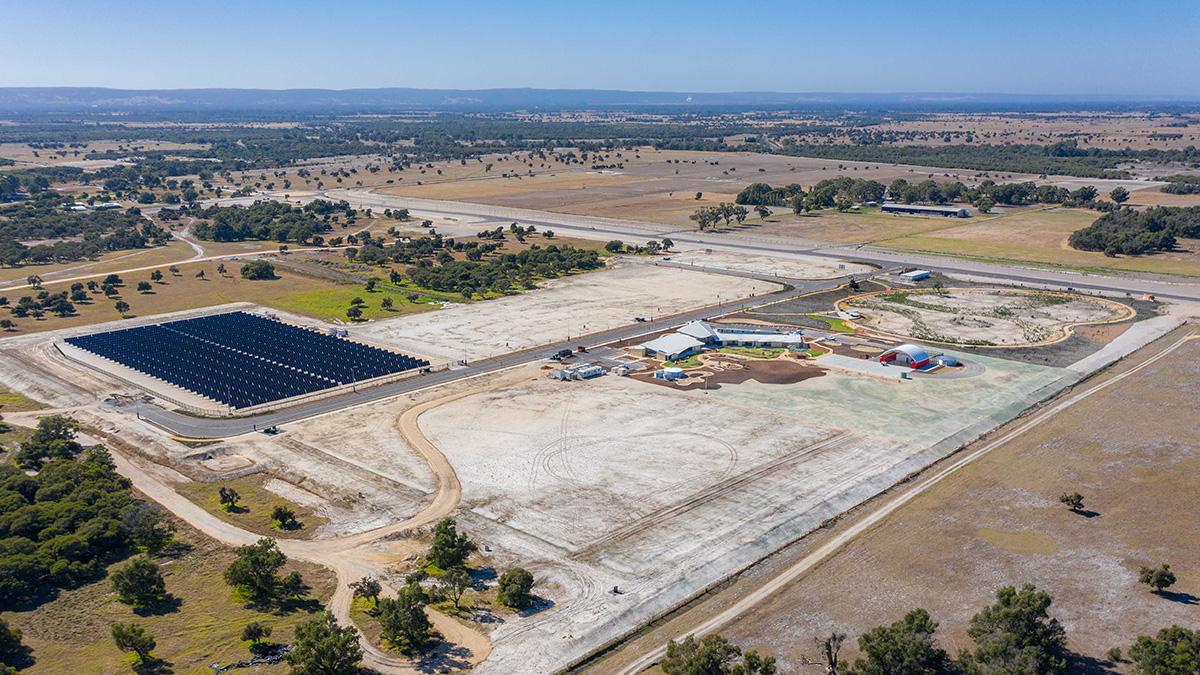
(292, 292)
(71, 634)
(254, 508)
(1039, 236)
(23, 153)
(1113, 131)
(1131, 450)
(174, 252)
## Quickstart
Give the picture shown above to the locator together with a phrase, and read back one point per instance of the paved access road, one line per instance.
(205, 427)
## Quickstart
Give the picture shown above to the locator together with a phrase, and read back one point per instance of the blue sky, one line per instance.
(1008, 46)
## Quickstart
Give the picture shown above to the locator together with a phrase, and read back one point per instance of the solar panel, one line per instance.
(242, 359)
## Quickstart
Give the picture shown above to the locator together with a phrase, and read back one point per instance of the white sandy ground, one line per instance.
(662, 492)
(791, 266)
(571, 306)
(998, 316)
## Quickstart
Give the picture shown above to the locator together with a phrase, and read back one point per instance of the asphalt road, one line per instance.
(223, 427)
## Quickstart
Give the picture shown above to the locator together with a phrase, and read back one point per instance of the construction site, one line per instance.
(627, 478)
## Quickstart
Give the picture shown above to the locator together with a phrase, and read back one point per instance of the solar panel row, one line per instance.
(244, 359)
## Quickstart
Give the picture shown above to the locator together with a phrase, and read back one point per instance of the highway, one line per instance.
(591, 227)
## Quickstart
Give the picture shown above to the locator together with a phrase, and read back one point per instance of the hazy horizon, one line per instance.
(1099, 48)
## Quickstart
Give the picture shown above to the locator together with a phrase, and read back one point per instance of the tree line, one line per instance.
(61, 525)
(504, 273)
(1129, 232)
(83, 235)
(270, 221)
(1015, 635)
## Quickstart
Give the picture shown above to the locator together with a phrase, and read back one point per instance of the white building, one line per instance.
(696, 335)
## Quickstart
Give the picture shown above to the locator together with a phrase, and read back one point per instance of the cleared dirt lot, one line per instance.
(982, 315)
(792, 267)
(661, 492)
(570, 306)
(1130, 450)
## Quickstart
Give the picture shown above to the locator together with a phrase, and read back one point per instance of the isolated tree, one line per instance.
(156, 275)
(667, 244)
(144, 287)
(253, 571)
(200, 274)
(1074, 501)
(762, 211)
(370, 285)
(699, 195)
(1174, 651)
(321, 647)
(354, 312)
(255, 633)
(450, 548)
(122, 307)
(284, 517)
(173, 270)
(386, 303)
(258, 270)
(8, 325)
(228, 498)
(131, 637)
(614, 246)
(905, 647)
(12, 650)
(830, 647)
(146, 527)
(402, 620)
(367, 588)
(1158, 578)
(292, 586)
(1016, 635)
(454, 583)
(140, 583)
(221, 269)
(512, 590)
(34, 281)
(1119, 195)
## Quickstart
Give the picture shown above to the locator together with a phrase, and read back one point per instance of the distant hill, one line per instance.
(17, 99)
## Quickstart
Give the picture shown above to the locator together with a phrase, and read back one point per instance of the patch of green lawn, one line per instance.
(254, 507)
(752, 352)
(11, 401)
(835, 324)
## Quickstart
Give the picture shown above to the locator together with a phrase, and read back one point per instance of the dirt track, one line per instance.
(351, 557)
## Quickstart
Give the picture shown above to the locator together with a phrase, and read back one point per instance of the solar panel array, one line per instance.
(243, 359)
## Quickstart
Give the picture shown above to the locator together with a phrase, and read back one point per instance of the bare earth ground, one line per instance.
(999, 316)
(570, 306)
(1130, 450)
(660, 492)
(791, 267)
